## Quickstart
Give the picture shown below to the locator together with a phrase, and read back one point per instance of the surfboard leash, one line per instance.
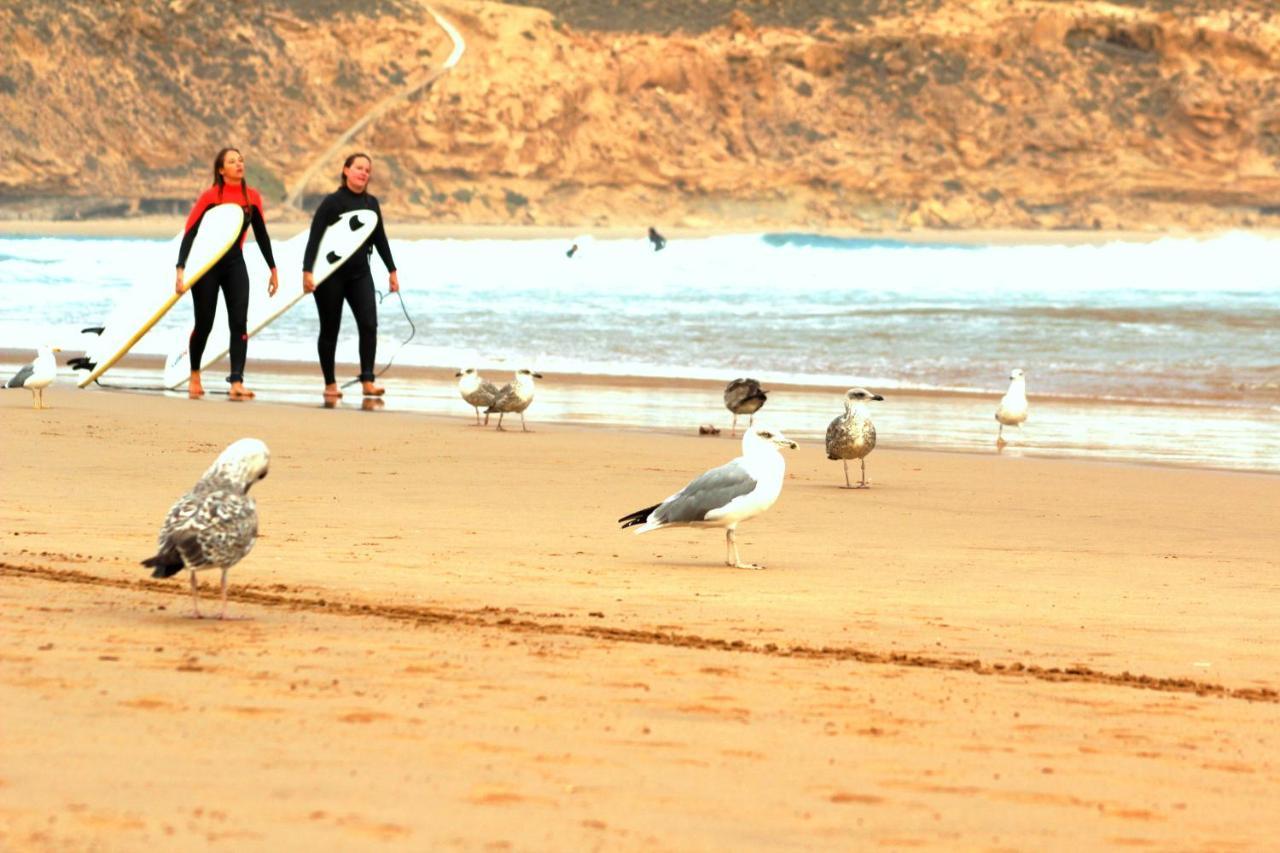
(413, 330)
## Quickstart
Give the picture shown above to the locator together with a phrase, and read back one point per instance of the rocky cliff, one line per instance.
(876, 114)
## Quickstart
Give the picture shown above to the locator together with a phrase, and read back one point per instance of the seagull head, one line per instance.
(470, 371)
(242, 464)
(859, 395)
(761, 436)
(1016, 373)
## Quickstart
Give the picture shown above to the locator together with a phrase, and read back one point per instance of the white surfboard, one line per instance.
(217, 231)
(340, 241)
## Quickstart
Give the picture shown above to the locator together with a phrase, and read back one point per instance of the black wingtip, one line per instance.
(638, 517)
(165, 565)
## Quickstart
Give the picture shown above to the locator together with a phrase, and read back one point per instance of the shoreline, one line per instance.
(164, 227)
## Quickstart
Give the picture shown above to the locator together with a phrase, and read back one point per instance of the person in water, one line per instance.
(353, 281)
(658, 241)
(229, 274)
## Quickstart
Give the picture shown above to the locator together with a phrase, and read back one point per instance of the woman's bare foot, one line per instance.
(239, 392)
(332, 392)
(195, 390)
(372, 390)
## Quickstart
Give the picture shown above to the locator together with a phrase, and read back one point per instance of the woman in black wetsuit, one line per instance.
(228, 275)
(353, 281)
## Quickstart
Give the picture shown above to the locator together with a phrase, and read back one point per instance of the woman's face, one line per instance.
(358, 174)
(232, 168)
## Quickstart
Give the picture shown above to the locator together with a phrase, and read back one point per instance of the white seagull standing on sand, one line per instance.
(515, 396)
(37, 376)
(724, 496)
(743, 397)
(852, 435)
(1013, 405)
(214, 525)
(476, 391)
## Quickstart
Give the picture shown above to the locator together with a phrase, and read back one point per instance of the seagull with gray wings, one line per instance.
(476, 391)
(515, 396)
(37, 376)
(214, 525)
(725, 496)
(743, 397)
(852, 435)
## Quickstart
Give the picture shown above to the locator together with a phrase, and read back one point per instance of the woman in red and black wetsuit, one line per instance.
(229, 273)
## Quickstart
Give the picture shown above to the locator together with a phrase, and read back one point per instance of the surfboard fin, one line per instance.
(81, 362)
(93, 330)
(355, 223)
(333, 257)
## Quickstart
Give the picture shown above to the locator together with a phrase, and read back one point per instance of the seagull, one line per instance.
(476, 391)
(37, 376)
(724, 496)
(743, 397)
(852, 435)
(515, 396)
(214, 525)
(1013, 405)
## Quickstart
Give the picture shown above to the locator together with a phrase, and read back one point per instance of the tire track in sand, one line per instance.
(505, 619)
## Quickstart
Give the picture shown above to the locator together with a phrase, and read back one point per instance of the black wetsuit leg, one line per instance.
(364, 307)
(235, 290)
(204, 298)
(328, 298)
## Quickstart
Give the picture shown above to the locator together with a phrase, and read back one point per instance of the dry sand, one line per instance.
(450, 645)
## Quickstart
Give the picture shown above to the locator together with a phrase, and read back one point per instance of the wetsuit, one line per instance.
(229, 274)
(352, 282)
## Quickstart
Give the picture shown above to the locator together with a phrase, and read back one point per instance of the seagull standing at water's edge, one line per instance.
(214, 525)
(1013, 405)
(743, 397)
(37, 376)
(476, 391)
(515, 396)
(725, 496)
(852, 435)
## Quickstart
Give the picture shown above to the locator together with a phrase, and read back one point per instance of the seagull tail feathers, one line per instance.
(640, 516)
(166, 563)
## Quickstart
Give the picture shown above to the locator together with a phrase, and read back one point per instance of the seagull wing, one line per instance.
(20, 378)
(713, 490)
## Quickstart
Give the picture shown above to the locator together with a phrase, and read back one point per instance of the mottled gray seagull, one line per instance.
(725, 496)
(852, 435)
(515, 396)
(214, 525)
(476, 391)
(37, 376)
(1013, 405)
(743, 397)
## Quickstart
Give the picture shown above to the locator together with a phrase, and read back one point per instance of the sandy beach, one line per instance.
(447, 643)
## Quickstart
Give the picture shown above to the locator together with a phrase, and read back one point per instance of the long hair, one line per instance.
(217, 174)
(346, 164)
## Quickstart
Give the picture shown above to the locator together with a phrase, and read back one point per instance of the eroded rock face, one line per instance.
(968, 115)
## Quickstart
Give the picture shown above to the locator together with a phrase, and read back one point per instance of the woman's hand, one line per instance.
(274, 283)
(308, 283)
(177, 285)
(394, 283)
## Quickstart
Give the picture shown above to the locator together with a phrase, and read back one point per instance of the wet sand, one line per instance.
(449, 644)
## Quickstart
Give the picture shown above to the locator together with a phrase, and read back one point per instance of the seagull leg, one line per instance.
(35, 398)
(500, 416)
(523, 428)
(864, 484)
(847, 484)
(477, 408)
(737, 561)
(195, 595)
(733, 430)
